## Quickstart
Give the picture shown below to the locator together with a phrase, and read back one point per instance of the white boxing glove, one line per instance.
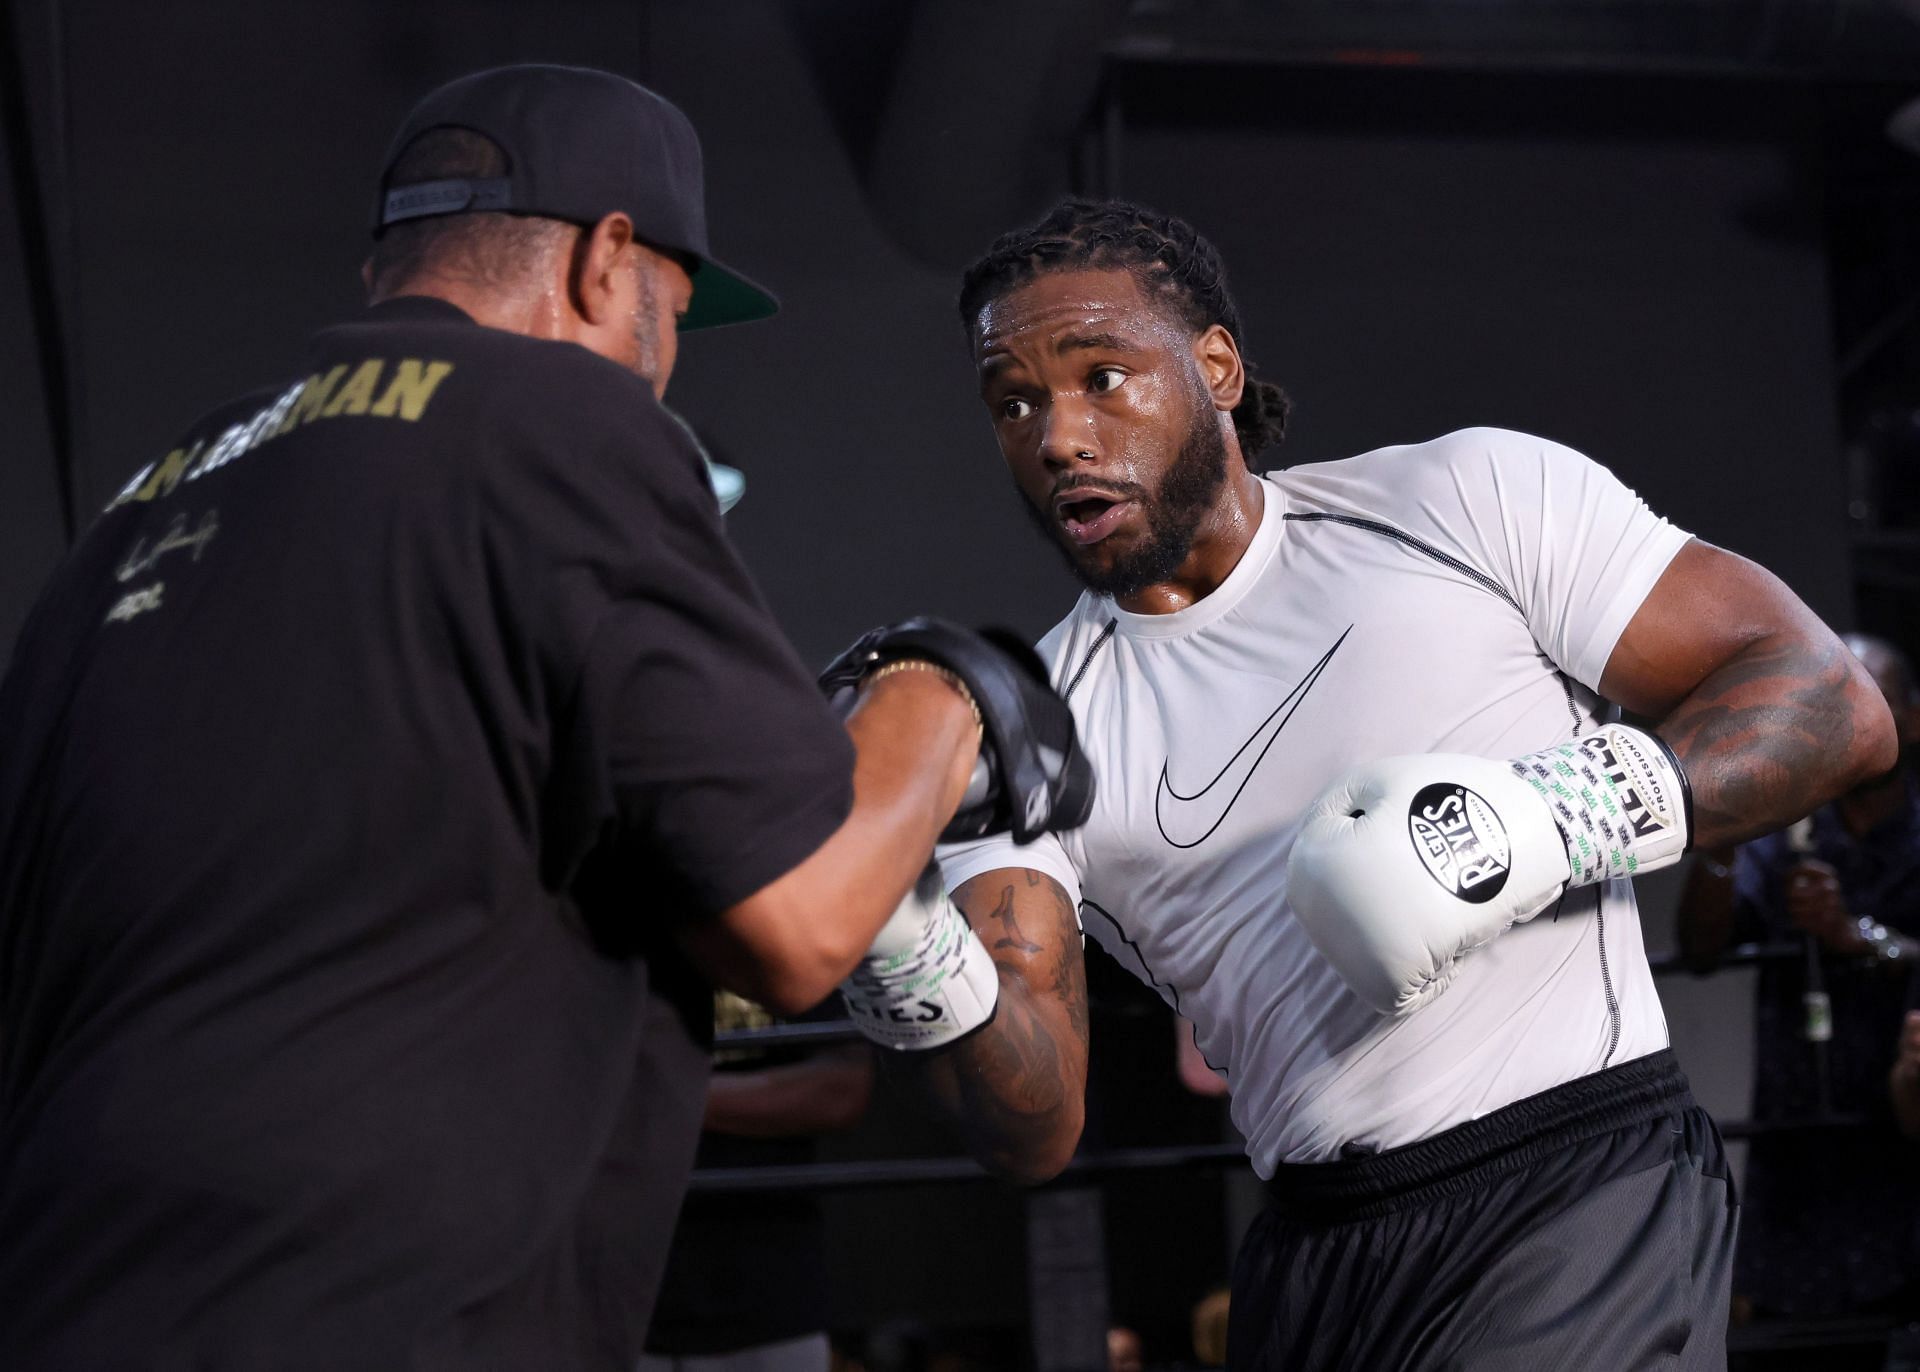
(1403, 865)
(928, 980)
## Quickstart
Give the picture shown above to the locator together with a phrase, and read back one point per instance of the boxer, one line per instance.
(1367, 820)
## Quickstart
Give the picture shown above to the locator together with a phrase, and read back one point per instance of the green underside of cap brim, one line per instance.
(721, 296)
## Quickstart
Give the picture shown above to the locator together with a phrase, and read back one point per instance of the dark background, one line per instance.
(1674, 235)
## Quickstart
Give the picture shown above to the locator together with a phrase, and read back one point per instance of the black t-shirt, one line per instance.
(748, 1267)
(355, 771)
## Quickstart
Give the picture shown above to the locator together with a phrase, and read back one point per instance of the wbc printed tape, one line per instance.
(1619, 799)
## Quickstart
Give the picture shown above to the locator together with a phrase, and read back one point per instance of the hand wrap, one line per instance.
(928, 980)
(1620, 799)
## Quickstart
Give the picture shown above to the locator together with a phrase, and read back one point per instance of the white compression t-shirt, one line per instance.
(1461, 595)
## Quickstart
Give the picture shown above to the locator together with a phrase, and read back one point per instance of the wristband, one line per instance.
(928, 982)
(1619, 798)
(920, 664)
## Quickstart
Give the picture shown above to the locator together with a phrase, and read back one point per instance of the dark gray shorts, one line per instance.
(1590, 1226)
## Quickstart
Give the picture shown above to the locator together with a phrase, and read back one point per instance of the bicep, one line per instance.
(1029, 925)
(1708, 607)
(1016, 1088)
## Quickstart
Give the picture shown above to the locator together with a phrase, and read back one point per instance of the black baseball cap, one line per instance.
(580, 144)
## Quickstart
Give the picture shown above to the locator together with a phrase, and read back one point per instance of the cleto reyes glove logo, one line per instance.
(1461, 841)
(905, 1012)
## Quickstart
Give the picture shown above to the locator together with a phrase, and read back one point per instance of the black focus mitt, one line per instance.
(1032, 776)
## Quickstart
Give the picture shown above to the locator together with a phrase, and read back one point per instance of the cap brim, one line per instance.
(723, 296)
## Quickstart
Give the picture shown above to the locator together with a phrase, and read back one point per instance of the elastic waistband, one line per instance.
(1468, 1154)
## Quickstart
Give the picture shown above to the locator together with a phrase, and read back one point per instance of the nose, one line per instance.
(1067, 438)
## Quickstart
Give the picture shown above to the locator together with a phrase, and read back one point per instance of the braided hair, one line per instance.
(1165, 255)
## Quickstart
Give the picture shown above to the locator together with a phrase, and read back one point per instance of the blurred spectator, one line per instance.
(1195, 1073)
(1903, 1082)
(1210, 1329)
(1124, 1351)
(745, 1289)
(1828, 1217)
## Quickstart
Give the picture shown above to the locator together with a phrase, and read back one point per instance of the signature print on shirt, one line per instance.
(1187, 821)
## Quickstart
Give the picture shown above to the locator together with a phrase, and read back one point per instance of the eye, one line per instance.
(1013, 407)
(1106, 379)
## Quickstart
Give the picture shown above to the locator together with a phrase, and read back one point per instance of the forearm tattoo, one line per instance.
(1767, 737)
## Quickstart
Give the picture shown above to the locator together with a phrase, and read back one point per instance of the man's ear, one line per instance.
(1219, 359)
(366, 275)
(597, 264)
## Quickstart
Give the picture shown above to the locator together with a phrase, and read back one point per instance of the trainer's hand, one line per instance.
(1033, 777)
(1403, 865)
(928, 980)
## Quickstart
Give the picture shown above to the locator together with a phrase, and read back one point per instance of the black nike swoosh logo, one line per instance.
(1180, 816)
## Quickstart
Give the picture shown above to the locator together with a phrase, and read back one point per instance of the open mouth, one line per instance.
(1088, 517)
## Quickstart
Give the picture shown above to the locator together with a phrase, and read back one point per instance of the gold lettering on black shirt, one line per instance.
(410, 386)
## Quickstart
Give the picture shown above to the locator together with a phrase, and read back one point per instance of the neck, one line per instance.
(1218, 546)
(533, 312)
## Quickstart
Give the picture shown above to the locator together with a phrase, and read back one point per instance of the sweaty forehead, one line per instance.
(1059, 311)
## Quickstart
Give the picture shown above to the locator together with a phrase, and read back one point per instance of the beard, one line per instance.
(1173, 513)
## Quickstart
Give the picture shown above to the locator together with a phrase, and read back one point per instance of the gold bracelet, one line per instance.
(921, 664)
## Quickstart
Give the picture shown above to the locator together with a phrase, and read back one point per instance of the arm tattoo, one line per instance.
(1765, 738)
(1070, 973)
(1014, 938)
(1011, 1086)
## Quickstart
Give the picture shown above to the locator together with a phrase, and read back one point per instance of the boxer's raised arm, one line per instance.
(1763, 714)
(1015, 1090)
(1769, 714)
(790, 943)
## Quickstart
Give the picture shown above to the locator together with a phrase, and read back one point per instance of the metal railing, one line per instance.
(1091, 1168)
